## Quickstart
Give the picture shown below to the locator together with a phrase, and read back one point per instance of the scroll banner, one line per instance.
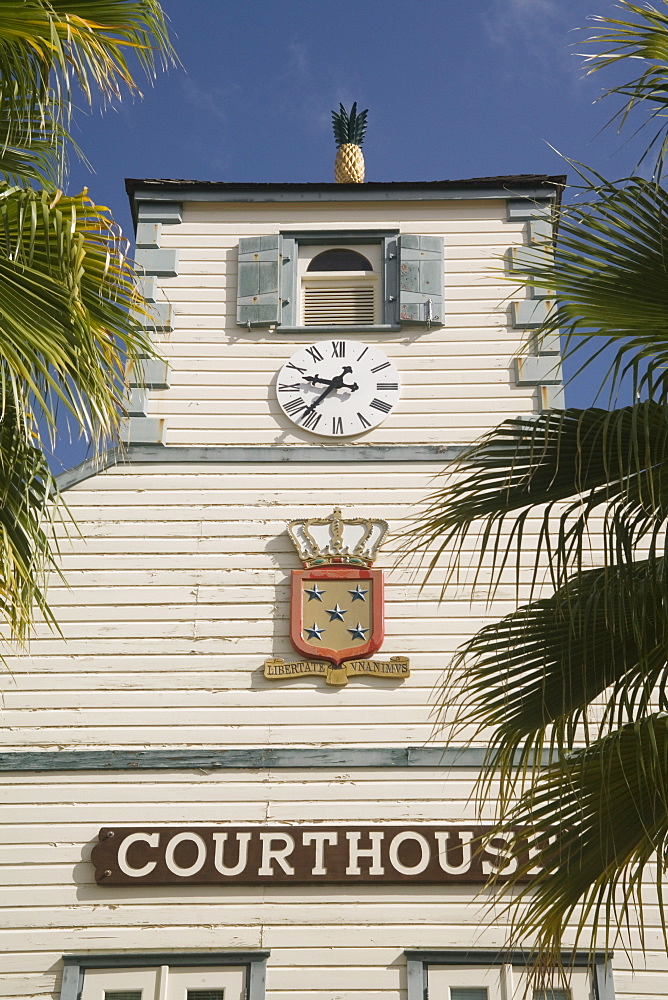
(396, 668)
(422, 855)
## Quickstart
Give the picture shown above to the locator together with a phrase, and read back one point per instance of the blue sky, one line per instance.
(454, 89)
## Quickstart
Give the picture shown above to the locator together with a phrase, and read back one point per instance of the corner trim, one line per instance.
(89, 467)
(151, 454)
(260, 758)
(75, 966)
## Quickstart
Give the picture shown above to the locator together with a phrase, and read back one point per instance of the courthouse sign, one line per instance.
(427, 855)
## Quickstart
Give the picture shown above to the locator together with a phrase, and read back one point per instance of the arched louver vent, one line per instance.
(340, 259)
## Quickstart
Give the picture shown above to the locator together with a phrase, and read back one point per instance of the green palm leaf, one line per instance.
(67, 289)
(570, 690)
(645, 41)
(609, 275)
(601, 817)
(614, 462)
(34, 149)
(48, 48)
(530, 677)
(28, 546)
(66, 300)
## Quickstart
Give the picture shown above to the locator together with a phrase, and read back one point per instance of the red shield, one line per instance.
(337, 612)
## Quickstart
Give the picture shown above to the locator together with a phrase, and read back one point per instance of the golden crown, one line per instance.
(335, 539)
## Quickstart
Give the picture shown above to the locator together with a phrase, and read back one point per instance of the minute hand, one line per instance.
(330, 388)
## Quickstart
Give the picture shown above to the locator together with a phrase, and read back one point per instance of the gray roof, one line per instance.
(509, 181)
(503, 185)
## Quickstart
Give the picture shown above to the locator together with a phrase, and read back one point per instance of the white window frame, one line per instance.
(418, 962)
(379, 246)
(255, 962)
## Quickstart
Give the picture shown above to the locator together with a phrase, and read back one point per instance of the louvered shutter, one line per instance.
(258, 281)
(421, 279)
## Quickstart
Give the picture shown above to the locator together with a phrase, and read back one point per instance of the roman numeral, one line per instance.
(315, 353)
(380, 404)
(387, 386)
(363, 353)
(311, 418)
(338, 348)
(363, 420)
(295, 368)
(379, 368)
(337, 425)
(289, 388)
(295, 405)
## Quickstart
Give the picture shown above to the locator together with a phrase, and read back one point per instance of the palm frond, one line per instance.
(531, 677)
(601, 818)
(28, 547)
(644, 41)
(609, 275)
(34, 149)
(555, 474)
(66, 300)
(570, 690)
(67, 289)
(46, 48)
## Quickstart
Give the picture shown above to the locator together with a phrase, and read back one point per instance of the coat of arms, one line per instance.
(336, 611)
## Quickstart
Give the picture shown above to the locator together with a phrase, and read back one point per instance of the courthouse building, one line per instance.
(222, 780)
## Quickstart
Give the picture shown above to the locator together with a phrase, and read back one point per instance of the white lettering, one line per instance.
(279, 854)
(243, 840)
(536, 849)
(355, 853)
(442, 840)
(504, 862)
(152, 839)
(319, 839)
(425, 853)
(198, 863)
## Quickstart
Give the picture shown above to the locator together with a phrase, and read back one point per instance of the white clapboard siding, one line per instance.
(230, 399)
(178, 590)
(347, 939)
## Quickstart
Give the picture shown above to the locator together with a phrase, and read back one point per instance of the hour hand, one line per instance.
(316, 380)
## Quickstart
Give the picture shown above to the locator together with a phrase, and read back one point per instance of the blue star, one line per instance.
(358, 631)
(315, 632)
(336, 613)
(358, 593)
(314, 593)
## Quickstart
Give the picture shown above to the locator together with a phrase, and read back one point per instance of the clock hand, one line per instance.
(330, 388)
(341, 384)
(332, 384)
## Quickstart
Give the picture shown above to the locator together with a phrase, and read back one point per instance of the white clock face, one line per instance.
(338, 387)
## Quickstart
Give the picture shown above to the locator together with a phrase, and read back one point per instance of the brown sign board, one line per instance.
(290, 855)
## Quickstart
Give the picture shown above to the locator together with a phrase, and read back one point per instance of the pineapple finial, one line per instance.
(349, 132)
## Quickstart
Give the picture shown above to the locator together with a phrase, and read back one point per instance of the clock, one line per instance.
(337, 388)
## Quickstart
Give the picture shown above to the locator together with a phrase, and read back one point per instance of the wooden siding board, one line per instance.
(178, 563)
(203, 297)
